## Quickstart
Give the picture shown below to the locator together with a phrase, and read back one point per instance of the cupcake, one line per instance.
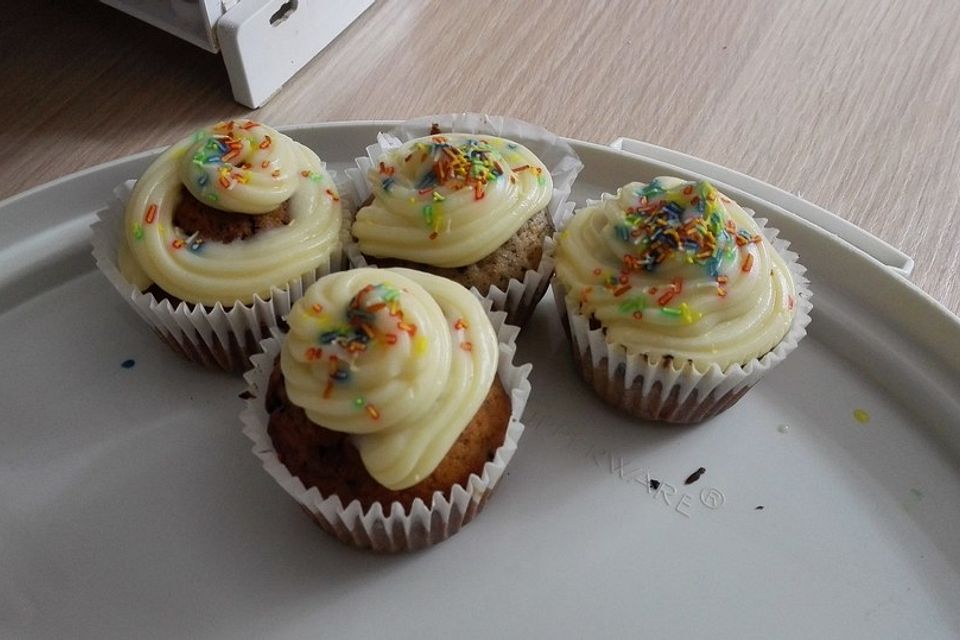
(676, 299)
(391, 407)
(220, 234)
(467, 203)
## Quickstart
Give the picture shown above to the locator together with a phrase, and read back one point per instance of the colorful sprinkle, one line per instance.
(128, 363)
(151, 214)
(861, 416)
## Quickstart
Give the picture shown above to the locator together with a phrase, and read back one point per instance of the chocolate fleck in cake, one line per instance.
(216, 226)
(676, 300)
(388, 393)
(470, 207)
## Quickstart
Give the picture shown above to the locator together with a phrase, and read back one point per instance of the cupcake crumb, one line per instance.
(693, 477)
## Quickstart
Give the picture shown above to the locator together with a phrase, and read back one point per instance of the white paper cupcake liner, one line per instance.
(388, 528)
(660, 390)
(214, 337)
(521, 296)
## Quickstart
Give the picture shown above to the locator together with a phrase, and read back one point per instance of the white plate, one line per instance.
(131, 506)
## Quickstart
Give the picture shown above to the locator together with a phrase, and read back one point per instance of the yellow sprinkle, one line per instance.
(689, 317)
(420, 345)
(413, 200)
(861, 416)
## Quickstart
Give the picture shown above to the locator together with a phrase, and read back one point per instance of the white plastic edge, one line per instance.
(890, 257)
(263, 47)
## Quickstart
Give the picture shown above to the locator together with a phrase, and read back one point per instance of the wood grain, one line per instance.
(854, 105)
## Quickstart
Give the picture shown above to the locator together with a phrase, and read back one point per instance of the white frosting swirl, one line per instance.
(398, 358)
(450, 200)
(676, 269)
(242, 167)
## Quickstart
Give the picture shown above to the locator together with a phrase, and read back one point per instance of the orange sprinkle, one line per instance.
(391, 338)
(305, 173)
(666, 297)
(276, 174)
(433, 236)
(411, 329)
(177, 244)
(373, 412)
(313, 353)
(328, 390)
(678, 285)
(585, 294)
(652, 290)
(250, 125)
(722, 279)
(597, 271)
(151, 214)
(224, 182)
(622, 290)
(317, 308)
(466, 346)
(332, 195)
(264, 164)
(266, 142)
(747, 263)
(721, 292)
(388, 171)
(638, 315)
(460, 324)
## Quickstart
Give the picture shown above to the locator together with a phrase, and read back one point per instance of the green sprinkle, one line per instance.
(359, 401)
(212, 197)
(137, 231)
(437, 197)
(671, 311)
(316, 177)
(636, 303)
(428, 213)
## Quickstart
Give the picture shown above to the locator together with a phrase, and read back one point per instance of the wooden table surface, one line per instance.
(855, 105)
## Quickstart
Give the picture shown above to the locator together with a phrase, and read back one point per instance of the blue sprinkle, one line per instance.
(341, 374)
(428, 180)
(128, 364)
(328, 337)
(203, 180)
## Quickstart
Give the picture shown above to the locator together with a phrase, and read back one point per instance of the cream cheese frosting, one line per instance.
(243, 167)
(675, 268)
(400, 359)
(450, 200)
